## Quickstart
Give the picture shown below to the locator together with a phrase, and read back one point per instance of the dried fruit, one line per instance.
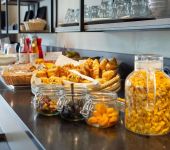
(103, 116)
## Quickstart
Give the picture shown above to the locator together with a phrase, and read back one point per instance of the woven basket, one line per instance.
(35, 25)
(17, 80)
(111, 85)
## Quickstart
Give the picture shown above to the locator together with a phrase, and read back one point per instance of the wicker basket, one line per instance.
(111, 85)
(17, 75)
(17, 79)
(35, 25)
(22, 28)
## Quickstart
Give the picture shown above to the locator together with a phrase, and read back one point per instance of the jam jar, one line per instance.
(147, 93)
(46, 99)
(101, 109)
(71, 103)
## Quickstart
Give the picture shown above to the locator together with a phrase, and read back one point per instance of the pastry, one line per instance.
(41, 73)
(103, 64)
(95, 69)
(107, 75)
(112, 64)
(53, 72)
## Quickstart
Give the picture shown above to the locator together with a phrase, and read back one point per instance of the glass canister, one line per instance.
(147, 92)
(46, 99)
(101, 109)
(71, 103)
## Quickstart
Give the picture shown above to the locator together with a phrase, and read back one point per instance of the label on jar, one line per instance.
(23, 58)
(33, 57)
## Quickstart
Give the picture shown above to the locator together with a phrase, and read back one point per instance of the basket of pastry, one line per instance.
(104, 71)
(18, 74)
(94, 74)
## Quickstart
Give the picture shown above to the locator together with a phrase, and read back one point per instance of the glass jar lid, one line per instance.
(148, 62)
(102, 96)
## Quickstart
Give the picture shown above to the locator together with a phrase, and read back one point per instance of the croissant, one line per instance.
(95, 69)
(107, 75)
(112, 64)
(103, 64)
(88, 64)
(52, 72)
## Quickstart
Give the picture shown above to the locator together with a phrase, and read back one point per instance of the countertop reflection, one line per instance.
(55, 133)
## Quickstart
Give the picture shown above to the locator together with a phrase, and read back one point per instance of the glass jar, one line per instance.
(147, 109)
(46, 99)
(71, 103)
(101, 109)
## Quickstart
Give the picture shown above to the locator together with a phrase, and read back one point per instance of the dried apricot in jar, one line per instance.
(103, 116)
(92, 120)
(100, 107)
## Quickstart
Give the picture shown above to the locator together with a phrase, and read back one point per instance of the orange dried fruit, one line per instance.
(110, 110)
(101, 108)
(104, 121)
(92, 120)
(114, 114)
(96, 113)
(113, 119)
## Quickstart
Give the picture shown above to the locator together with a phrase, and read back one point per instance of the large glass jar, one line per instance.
(101, 109)
(147, 92)
(71, 103)
(46, 99)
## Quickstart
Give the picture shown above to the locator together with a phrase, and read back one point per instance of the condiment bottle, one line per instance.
(24, 50)
(33, 50)
(40, 52)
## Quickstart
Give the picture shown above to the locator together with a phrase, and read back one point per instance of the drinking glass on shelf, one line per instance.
(77, 15)
(67, 15)
(87, 12)
(140, 8)
(106, 8)
(95, 11)
(121, 9)
(109, 8)
(70, 16)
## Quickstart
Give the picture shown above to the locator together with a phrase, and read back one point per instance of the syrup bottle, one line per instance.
(24, 50)
(34, 50)
(40, 52)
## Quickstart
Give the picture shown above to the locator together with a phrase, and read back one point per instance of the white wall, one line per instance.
(157, 42)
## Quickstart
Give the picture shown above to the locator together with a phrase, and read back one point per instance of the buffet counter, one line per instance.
(55, 133)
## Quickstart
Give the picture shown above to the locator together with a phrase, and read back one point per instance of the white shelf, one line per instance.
(135, 25)
(68, 29)
(23, 2)
(13, 31)
(9, 31)
(3, 32)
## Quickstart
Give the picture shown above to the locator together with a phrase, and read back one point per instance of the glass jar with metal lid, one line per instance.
(71, 102)
(147, 109)
(46, 99)
(101, 109)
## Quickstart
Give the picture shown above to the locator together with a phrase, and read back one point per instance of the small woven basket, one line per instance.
(35, 25)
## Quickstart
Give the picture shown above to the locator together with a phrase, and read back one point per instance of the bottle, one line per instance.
(24, 50)
(40, 52)
(33, 50)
